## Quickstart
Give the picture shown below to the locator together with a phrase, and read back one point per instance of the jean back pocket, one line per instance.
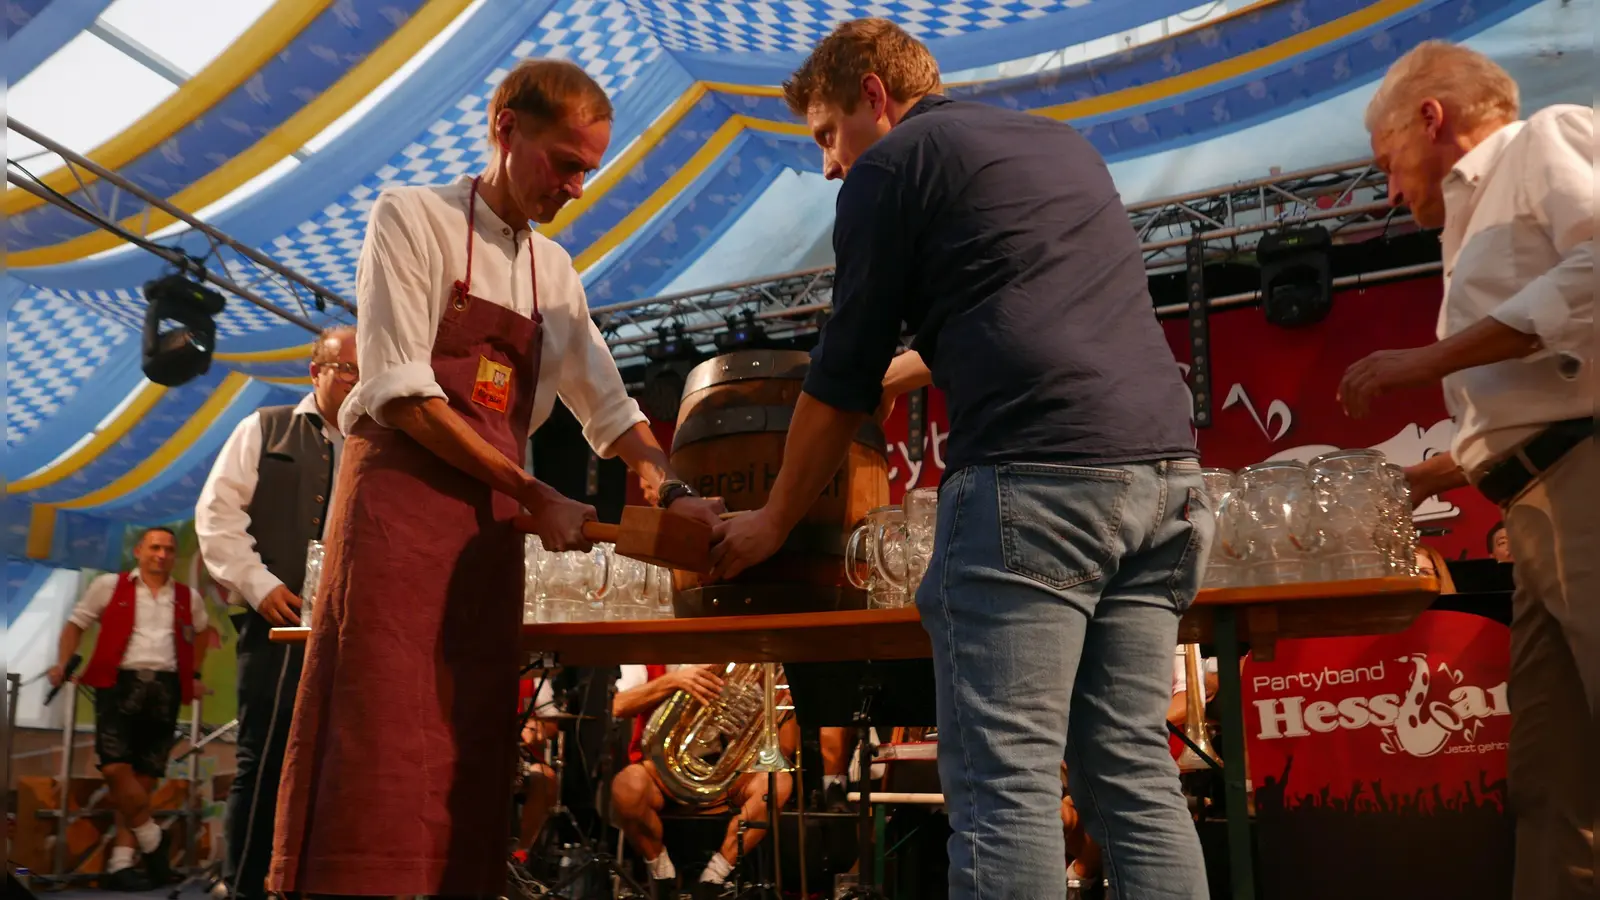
(1059, 525)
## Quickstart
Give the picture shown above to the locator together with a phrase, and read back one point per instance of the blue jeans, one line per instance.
(1052, 601)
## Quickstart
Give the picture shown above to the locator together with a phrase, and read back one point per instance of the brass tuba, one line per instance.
(1194, 725)
(697, 750)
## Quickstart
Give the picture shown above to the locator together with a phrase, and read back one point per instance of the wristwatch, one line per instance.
(671, 491)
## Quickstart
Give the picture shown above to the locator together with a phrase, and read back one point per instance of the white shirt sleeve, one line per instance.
(1558, 179)
(197, 611)
(398, 314)
(631, 677)
(592, 387)
(96, 597)
(222, 518)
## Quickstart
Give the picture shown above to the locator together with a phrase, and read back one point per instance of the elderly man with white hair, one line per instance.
(1516, 355)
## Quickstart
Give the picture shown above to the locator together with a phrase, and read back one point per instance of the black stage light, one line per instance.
(179, 331)
(743, 333)
(671, 358)
(1296, 276)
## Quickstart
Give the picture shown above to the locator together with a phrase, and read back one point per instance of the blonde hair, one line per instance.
(549, 90)
(855, 49)
(1470, 86)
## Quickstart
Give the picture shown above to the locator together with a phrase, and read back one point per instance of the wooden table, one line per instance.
(1226, 619)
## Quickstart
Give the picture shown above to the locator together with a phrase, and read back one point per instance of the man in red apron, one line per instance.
(404, 737)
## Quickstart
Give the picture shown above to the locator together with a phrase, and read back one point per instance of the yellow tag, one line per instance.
(493, 386)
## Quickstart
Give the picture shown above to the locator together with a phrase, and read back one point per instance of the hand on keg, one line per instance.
(702, 509)
(701, 682)
(557, 520)
(742, 541)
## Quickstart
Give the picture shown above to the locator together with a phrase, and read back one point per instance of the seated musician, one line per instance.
(1083, 854)
(637, 795)
(536, 781)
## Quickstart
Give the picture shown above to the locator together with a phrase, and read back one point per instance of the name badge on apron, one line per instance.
(493, 385)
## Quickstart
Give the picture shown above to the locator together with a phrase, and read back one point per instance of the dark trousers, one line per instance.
(253, 800)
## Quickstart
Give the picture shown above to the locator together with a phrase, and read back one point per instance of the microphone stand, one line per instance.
(597, 856)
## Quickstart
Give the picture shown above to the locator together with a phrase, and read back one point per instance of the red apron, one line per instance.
(404, 735)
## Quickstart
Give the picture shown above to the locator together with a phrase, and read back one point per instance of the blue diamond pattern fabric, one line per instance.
(53, 346)
(795, 26)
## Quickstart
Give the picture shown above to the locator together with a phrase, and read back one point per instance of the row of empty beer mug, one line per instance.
(888, 554)
(1342, 516)
(597, 586)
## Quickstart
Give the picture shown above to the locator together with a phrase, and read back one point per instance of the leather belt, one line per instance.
(1508, 478)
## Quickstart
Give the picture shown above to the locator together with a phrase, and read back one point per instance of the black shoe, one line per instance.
(129, 880)
(664, 889)
(158, 864)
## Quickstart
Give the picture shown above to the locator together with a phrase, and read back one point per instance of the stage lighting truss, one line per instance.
(232, 266)
(1350, 199)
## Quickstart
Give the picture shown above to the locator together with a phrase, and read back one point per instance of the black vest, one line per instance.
(294, 479)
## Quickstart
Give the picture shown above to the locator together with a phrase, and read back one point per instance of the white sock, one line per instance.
(661, 868)
(829, 781)
(717, 871)
(121, 858)
(149, 836)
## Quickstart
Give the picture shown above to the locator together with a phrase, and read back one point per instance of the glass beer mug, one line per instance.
(863, 551)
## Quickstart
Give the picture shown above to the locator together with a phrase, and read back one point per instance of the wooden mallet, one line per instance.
(650, 535)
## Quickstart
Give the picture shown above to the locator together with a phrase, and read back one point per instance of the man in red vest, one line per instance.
(144, 666)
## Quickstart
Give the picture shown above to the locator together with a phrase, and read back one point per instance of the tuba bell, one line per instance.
(699, 750)
(1194, 725)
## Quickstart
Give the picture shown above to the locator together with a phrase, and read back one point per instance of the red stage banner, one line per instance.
(1277, 399)
(1358, 746)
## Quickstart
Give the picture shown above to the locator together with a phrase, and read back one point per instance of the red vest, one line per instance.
(116, 626)
(636, 746)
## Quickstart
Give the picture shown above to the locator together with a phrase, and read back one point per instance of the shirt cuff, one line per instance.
(257, 585)
(412, 379)
(611, 423)
(843, 393)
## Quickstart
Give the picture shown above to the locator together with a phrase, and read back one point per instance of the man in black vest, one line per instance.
(264, 502)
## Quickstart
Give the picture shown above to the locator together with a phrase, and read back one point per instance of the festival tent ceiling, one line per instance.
(279, 122)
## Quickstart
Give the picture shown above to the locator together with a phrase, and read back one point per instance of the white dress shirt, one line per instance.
(222, 515)
(415, 249)
(150, 646)
(1518, 246)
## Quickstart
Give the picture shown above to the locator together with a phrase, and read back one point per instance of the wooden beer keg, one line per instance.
(732, 424)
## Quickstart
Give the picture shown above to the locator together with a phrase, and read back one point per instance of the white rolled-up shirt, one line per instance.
(415, 250)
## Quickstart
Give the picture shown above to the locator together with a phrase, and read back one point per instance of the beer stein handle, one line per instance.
(855, 557)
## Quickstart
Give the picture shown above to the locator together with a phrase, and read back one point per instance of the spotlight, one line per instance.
(743, 333)
(671, 357)
(1296, 278)
(179, 332)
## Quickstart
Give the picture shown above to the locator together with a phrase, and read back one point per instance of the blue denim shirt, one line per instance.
(998, 239)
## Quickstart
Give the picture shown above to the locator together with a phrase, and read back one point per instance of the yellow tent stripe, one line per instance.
(168, 452)
(41, 530)
(622, 165)
(298, 379)
(115, 430)
(1233, 66)
(663, 195)
(281, 142)
(265, 39)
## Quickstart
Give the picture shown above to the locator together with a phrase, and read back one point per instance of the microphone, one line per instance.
(66, 676)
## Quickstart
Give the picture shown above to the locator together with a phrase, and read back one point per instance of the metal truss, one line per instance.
(1347, 198)
(229, 264)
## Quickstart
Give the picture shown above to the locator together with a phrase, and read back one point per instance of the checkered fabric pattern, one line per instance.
(750, 26)
(601, 36)
(53, 346)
